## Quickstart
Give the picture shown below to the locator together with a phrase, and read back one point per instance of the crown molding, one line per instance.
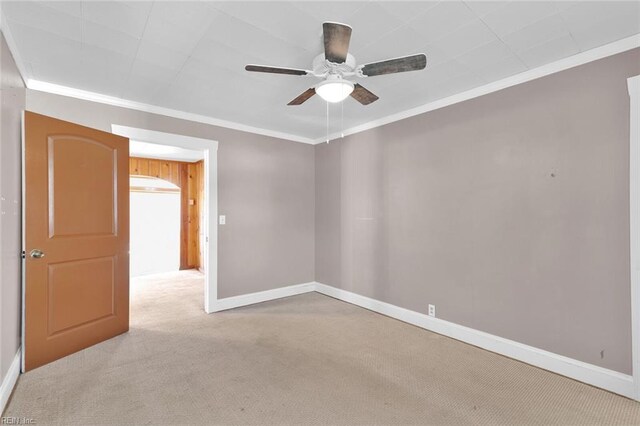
(57, 89)
(582, 58)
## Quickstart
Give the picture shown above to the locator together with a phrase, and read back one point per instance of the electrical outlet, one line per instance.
(223, 220)
(432, 310)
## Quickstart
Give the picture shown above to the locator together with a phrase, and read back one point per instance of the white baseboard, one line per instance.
(610, 380)
(9, 381)
(262, 296)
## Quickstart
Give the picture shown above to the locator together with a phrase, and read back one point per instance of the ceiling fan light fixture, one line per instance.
(334, 90)
(336, 63)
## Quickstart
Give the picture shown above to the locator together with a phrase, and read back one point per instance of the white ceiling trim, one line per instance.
(57, 89)
(563, 64)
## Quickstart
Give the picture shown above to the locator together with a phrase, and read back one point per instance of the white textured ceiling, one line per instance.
(190, 56)
(163, 152)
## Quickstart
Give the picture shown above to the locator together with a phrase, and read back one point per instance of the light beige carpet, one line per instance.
(306, 359)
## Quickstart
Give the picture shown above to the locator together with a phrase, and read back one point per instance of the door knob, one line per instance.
(36, 254)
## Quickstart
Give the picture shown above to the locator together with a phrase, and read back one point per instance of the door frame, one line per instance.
(23, 240)
(633, 85)
(210, 168)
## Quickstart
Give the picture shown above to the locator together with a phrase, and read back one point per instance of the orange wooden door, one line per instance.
(76, 238)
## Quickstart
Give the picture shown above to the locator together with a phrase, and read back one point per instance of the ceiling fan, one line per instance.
(337, 63)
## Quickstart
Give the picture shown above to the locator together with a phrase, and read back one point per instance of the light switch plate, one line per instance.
(222, 220)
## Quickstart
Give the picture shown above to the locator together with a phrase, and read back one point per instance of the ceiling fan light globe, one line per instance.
(334, 91)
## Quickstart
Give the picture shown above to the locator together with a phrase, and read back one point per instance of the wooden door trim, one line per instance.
(184, 218)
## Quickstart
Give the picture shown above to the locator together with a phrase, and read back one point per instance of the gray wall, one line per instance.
(12, 98)
(509, 212)
(265, 189)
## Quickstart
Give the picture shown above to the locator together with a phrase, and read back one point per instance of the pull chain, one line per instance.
(342, 119)
(327, 122)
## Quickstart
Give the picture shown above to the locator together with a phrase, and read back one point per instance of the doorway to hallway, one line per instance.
(167, 209)
(154, 245)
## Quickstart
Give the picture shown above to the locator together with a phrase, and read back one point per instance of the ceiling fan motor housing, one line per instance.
(322, 67)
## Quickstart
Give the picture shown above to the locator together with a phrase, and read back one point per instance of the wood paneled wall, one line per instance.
(163, 169)
(189, 178)
(195, 193)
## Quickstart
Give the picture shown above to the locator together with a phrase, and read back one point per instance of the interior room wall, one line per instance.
(265, 190)
(12, 98)
(509, 212)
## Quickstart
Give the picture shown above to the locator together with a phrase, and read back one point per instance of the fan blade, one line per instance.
(274, 70)
(336, 41)
(303, 97)
(390, 66)
(362, 95)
